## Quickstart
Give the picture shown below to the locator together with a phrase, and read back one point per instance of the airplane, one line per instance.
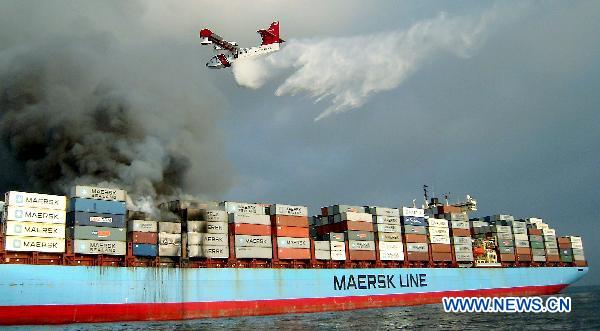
(232, 52)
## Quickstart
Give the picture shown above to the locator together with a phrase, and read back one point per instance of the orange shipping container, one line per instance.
(293, 253)
(448, 210)
(290, 231)
(523, 250)
(564, 240)
(285, 220)
(536, 232)
(251, 229)
(461, 232)
(441, 248)
(356, 255)
(564, 244)
(357, 226)
(553, 258)
(523, 257)
(417, 256)
(441, 256)
(415, 238)
(507, 257)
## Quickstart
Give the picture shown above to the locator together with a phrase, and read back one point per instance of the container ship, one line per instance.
(86, 258)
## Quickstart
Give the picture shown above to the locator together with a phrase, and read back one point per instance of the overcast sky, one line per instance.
(512, 119)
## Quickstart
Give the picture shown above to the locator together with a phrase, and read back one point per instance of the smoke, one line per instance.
(348, 71)
(82, 108)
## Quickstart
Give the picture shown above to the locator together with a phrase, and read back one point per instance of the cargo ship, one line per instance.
(87, 258)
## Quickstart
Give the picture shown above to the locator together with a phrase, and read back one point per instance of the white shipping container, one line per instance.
(388, 228)
(279, 209)
(416, 212)
(462, 240)
(338, 246)
(463, 248)
(551, 251)
(338, 255)
(169, 227)
(32, 229)
(142, 226)
(521, 236)
(165, 238)
(437, 222)
(99, 247)
(439, 239)
(578, 245)
(289, 242)
(322, 245)
(359, 217)
(98, 193)
(383, 211)
(38, 215)
(458, 216)
(378, 219)
(551, 244)
(252, 241)
(578, 257)
(391, 246)
(213, 252)
(215, 215)
(520, 231)
(504, 235)
(322, 255)
(460, 224)
(417, 247)
(35, 200)
(241, 218)
(574, 239)
(502, 229)
(439, 232)
(478, 224)
(34, 244)
(542, 226)
(549, 232)
(549, 238)
(253, 252)
(496, 218)
(391, 255)
(539, 258)
(243, 208)
(464, 257)
(389, 236)
(533, 220)
(207, 227)
(169, 250)
(360, 245)
(211, 239)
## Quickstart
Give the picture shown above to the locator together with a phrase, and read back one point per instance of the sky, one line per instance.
(493, 99)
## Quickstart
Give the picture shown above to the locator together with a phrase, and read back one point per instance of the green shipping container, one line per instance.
(537, 244)
(506, 250)
(535, 238)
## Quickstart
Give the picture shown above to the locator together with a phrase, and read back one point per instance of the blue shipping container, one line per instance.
(95, 219)
(97, 206)
(145, 250)
(412, 220)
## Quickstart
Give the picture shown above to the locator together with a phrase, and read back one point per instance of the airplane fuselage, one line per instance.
(226, 60)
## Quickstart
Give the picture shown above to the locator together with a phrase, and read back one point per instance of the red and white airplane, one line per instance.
(231, 52)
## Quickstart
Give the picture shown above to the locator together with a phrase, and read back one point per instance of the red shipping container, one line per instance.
(564, 240)
(290, 231)
(553, 258)
(580, 263)
(441, 256)
(357, 255)
(523, 257)
(461, 232)
(507, 257)
(415, 238)
(293, 253)
(564, 244)
(251, 229)
(536, 232)
(143, 237)
(448, 209)
(523, 250)
(441, 248)
(285, 220)
(417, 256)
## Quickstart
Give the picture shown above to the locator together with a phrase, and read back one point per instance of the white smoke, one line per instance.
(348, 71)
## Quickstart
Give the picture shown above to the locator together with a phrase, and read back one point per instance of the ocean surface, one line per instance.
(583, 316)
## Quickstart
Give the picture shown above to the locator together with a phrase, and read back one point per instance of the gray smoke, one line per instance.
(80, 107)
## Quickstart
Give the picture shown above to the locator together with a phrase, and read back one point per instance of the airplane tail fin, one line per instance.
(271, 35)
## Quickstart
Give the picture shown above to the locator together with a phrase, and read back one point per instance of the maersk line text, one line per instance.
(507, 305)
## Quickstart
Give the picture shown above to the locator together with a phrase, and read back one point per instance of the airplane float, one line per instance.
(229, 51)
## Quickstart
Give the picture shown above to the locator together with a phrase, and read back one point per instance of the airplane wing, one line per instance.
(207, 37)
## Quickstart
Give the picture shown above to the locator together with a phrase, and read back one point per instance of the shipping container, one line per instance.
(439, 239)
(549, 232)
(415, 238)
(359, 245)
(290, 231)
(385, 236)
(461, 232)
(206, 215)
(210, 239)
(362, 255)
(242, 218)
(506, 250)
(537, 244)
(391, 255)
(335, 236)
(169, 227)
(98, 193)
(412, 212)
(464, 256)
(538, 252)
(417, 256)
(338, 209)
(165, 238)
(207, 227)
(322, 255)
(34, 244)
(283, 220)
(441, 248)
(496, 218)
(523, 250)
(243, 208)
(33, 229)
(378, 219)
(436, 222)
(521, 236)
(534, 231)
(417, 247)
(38, 215)
(150, 238)
(338, 245)
(539, 258)
(169, 250)
(550, 244)
(338, 255)
(458, 217)
(387, 228)
(506, 243)
(293, 253)
(577, 245)
(213, 252)
(95, 247)
(550, 238)
(356, 217)
(504, 236)
(97, 233)
(150, 250)
(521, 243)
(463, 248)
(279, 209)
(534, 238)
(520, 231)
(251, 229)
(252, 241)
(290, 242)
(35, 200)
(462, 240)
(439, 232)
(507, 257)
(322, 245)
(441, 256)
(501, 229)
(391, 246)
(383, 211)
(413, 221)
(142, 226)
(411, 229)
(253, 252)
(97, 206)
(552, 251)
(360, 235)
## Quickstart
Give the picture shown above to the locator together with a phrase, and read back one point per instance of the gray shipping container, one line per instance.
(417, 247)
(415, 229)
(360, 235)
(322, 245)
(213, 252)
(169, 250)
(97, 233)
(464, 257)
(142, 226)
(338, 209)
(502, 229)
(462, 240)
(460, 224)
(165, 238)
(504, 236)
(253, 253)
(539, 252)
(322, 255)
(252, 241)
(463, 248)
(169, 227)
(458, 217)
(506, 250)
(95, 247)
(535, 238)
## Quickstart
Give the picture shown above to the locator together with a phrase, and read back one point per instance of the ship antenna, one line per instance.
(426, 196)
(446, 196)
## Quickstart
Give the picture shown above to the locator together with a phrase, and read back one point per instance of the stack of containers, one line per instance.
(461, 236)
(322, 250)
(96, 221)
(536, 240)
(251, 227)
(289, 225)
(521, 239)
(361, 243)
(415, 233)
(169, 235)
(207, 232)
(504, 238)
(389, 233)
(34, 222)
(337, 244)
(143, 234)
(538, 227)
(439, 239)
(577, 249)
